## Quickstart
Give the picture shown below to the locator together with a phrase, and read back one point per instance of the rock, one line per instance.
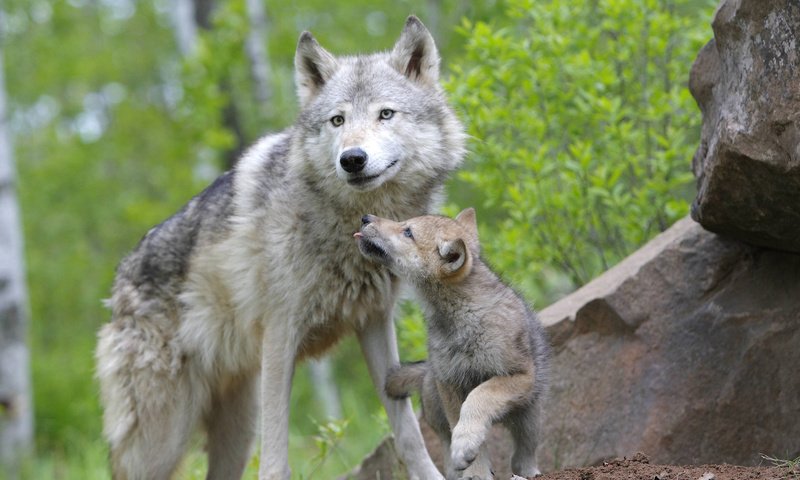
(686, 350)
(747, 84)
(381, 464)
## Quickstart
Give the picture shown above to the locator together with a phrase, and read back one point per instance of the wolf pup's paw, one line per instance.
(466, 444)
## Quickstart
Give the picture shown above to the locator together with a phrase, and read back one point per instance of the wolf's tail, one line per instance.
(402, 381)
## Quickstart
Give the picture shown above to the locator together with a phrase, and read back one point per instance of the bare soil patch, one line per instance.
(640, 468)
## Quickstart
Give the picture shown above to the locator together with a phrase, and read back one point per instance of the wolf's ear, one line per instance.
(457, 260)
(313, 66)
(415, 55)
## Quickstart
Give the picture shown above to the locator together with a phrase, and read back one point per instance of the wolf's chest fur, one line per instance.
(296, 268)
(341, 291)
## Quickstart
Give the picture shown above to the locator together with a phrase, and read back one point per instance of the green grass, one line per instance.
(792, 466)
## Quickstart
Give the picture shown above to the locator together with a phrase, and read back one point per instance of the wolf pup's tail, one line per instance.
(402, 381)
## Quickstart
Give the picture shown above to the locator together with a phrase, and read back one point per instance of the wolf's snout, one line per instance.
(366, 219)
(353, 160)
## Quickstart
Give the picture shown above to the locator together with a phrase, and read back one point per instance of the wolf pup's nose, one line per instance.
(366, 219)
(353, 160)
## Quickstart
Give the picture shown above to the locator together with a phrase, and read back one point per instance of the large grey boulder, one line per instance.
(747, 84)
(688, 350)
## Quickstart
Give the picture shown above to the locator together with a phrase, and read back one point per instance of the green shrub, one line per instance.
(583, 130)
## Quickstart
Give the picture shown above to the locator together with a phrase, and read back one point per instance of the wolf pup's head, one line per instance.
(422, 249)
(371, 119)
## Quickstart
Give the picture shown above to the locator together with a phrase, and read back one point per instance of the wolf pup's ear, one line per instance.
(457, 260)
(415, 55)
(313, 66)
(468, 220)
(469, 223)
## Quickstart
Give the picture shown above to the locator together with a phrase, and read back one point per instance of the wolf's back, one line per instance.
(161, 259)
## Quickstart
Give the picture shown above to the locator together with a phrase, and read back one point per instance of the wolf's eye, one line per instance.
(407, 233)
(387, 113)
(337, 120)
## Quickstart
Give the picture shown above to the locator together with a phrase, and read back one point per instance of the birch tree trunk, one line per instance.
(325, 389)
(185, 28)
(434, 18)
(257, 50)
(188, 17)
(16, 414)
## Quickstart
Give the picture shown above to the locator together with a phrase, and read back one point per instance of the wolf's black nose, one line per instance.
(366, 219)
(353, 160)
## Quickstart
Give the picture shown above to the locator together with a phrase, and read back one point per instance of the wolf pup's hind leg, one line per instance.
(524, 428)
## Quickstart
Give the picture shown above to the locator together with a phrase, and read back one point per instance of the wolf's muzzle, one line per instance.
(353, 160)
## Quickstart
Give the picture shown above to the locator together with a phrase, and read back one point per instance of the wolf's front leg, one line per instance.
(279, 347)
(379, 345)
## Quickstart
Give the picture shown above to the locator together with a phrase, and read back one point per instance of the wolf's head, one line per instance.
(369, 120)
(422, 249)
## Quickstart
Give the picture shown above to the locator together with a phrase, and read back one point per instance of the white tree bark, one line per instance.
(16, 413)
(325, 387)
(184, 26)
(434, 19)
(256, 47)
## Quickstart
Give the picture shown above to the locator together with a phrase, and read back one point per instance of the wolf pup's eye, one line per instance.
(407, 233)
(387, 113)
(337, 120)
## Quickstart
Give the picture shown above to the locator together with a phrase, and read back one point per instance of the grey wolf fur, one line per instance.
(217, 304)
(488, 358)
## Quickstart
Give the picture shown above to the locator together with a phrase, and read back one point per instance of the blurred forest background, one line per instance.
(120, 110)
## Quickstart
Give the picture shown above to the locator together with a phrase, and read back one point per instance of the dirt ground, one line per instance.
(639, 468)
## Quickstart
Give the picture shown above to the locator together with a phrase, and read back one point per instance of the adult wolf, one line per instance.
(259, 270)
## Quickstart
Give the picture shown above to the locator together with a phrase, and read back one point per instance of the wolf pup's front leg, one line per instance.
(379, 345)
(487, 403)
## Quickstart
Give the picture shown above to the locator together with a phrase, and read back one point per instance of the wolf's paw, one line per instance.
(526, 477)
(534, 472)
(481, 469)
(525, 468)
(466, 444)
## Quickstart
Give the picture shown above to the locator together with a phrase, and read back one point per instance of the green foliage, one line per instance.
(411, 332)
(328, 440)
(87, 460)
(578, 110)
(583, 130)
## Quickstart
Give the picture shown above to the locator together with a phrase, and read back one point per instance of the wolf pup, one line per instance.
(488, 359)
(217, 303)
